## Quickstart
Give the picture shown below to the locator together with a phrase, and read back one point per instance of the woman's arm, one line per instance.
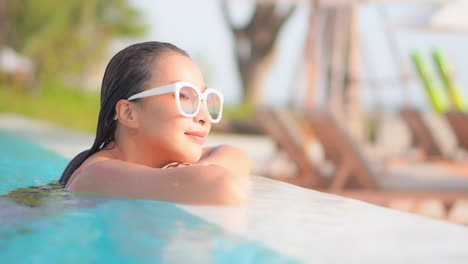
(196, 184)
(235, 160)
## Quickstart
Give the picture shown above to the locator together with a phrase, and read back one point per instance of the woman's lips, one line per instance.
(198, 137)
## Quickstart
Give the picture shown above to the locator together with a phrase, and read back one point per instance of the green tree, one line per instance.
(66, 37)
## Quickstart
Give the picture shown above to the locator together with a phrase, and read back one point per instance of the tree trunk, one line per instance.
(338, 60)
(353, 103)
(2, 23)
(311, 48)
(254, 80)
(255, 45)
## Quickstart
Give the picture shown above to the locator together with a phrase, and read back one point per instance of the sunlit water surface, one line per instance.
(40, 222)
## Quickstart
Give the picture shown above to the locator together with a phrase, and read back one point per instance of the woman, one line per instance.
(155, 115)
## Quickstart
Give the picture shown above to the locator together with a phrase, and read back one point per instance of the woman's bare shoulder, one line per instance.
(96, 157)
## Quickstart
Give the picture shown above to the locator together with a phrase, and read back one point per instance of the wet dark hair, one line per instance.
(126, 74)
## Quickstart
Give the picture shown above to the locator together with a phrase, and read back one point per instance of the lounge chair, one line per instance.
(421, 134)
(287, 135)
(384, 185)
(353, 177)
(459, 123)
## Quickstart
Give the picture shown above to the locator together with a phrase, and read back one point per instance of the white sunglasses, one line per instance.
(188, 99)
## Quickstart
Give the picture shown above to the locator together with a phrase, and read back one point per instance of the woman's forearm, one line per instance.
(235, 160)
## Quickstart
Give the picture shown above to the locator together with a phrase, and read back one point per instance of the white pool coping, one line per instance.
(307, 225)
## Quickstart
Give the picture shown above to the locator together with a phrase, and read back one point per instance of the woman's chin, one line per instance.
(191, 155)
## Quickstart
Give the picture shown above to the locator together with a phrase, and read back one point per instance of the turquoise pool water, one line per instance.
(40, 225)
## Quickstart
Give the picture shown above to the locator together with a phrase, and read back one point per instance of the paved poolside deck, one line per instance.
(310, 226)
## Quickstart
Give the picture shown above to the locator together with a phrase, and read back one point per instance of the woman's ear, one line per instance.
(127, 114)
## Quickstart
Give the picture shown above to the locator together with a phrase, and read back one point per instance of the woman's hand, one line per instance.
(235, 166)
(233, 159)
(236, 162)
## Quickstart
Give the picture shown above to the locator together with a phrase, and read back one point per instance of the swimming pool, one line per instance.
(281, 223)
(39, 225)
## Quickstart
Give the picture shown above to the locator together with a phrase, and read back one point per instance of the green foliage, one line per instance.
(238, 112)
(372, 128)
(64, 106)
(74, 108)
(66, 37)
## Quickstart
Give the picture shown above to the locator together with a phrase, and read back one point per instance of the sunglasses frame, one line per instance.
(175, 88)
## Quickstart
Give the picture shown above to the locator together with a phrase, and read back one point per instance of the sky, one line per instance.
(199, 28)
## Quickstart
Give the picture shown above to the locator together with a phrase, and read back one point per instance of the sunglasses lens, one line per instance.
(213, 103)
(188, 100)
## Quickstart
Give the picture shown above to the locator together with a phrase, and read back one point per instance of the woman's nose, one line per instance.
(203, 117)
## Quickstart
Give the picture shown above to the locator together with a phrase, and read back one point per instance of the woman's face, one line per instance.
(161, 125)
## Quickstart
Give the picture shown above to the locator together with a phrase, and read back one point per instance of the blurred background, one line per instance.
(391, 75)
